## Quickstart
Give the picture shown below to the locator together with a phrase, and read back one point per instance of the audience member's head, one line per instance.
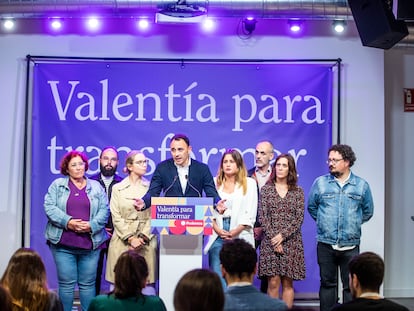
(131, 275)
(238, 260)
(5, 300)
(199, 289)
(25, 280)
(366, 273)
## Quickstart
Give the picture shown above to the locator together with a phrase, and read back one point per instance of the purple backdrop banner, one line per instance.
(140, 105)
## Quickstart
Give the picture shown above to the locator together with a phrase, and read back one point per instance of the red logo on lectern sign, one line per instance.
(409, 100)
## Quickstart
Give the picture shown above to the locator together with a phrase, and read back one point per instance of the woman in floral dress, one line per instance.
(281, 213)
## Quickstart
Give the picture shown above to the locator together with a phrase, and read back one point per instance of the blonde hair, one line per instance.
(130, 159)
(241, 176)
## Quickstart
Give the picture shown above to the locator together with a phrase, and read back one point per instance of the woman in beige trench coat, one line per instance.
(132, 229)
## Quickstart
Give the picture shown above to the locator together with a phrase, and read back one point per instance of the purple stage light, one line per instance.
(143, 24)
(208, 25)
(249, 25)
(93, 23)
(56, 24)
(8, 24)
(295, 25)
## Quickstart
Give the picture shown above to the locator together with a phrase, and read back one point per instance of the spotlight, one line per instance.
(249, 24)
(143, 24)
(56, 24)
(8, 23)
(295, 25)
(93, 23)
(339, 25)
(208, 25)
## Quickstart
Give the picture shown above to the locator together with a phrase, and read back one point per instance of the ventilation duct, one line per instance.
(307, 9)
(266, 9)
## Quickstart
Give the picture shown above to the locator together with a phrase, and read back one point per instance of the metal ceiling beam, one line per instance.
(307, 9)
(266, 9)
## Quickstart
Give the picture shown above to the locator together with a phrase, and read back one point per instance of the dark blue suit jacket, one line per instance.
(165, 180)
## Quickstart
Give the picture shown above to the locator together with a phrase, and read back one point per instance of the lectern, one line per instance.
(181, 224)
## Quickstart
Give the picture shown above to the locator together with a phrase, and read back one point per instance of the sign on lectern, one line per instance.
(181, 223)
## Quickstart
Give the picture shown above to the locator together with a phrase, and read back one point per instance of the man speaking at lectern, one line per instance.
(180, 176)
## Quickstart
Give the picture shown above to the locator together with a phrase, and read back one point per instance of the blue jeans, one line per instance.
(329, 260)
(214, 253)
(75, 267)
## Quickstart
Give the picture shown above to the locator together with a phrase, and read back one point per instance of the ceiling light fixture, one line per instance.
(295, 25)
(8, 23)
(143, 24)
(93, 23)
(249, 25)
(56, 24)
(208, 25)
(339, 25)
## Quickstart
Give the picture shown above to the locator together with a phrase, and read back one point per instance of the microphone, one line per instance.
(192, 187)
(170, 186)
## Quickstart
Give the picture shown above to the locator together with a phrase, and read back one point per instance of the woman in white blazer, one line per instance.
(237, 219)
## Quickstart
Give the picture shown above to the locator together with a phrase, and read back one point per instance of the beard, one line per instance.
(108, 170)
(335, 173)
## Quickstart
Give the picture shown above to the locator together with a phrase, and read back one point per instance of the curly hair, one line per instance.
(64, 164)
(345, 151)
(238, 258)
(25, 279)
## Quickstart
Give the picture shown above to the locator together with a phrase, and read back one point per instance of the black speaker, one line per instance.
(404, 9)
(376, 24)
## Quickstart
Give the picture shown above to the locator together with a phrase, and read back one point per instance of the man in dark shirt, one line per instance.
(180, 176)
(108, 163)
(264, 154)
(366, 274)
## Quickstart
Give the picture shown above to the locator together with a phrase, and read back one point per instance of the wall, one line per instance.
(362, 97)
(399, 125)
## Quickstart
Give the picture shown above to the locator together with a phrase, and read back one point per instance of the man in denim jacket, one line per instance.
(340, 202)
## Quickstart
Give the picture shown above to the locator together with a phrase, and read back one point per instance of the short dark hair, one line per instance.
(346, 152)
(131, 273)
(181, 137)
(238, 257)
(199, 289)
(369, 268)
(64, 164)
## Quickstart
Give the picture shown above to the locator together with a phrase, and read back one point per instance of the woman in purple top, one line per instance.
(77, 211)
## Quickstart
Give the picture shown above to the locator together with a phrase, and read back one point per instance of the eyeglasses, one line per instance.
(109, 159)
(141, 162)
(334, 161)
(81, 164)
